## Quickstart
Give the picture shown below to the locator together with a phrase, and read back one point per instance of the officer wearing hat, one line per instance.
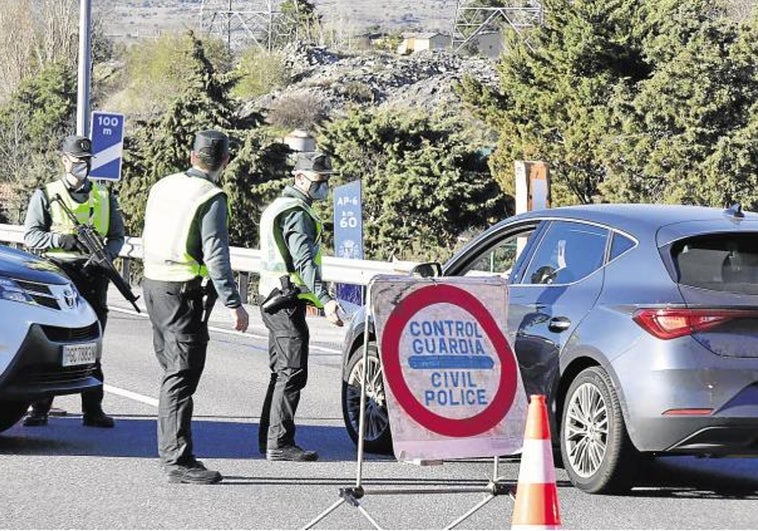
(291, 235)
(50, 232)
(186, 241)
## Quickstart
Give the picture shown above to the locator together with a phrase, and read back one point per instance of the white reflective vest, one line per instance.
(95, 211)
(171, 207)
(274, 250)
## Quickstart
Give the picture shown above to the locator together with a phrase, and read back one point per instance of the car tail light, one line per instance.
(672, 323)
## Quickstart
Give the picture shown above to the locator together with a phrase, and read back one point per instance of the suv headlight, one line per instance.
(11, 291)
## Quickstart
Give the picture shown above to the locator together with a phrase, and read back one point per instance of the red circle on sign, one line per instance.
(398, 319)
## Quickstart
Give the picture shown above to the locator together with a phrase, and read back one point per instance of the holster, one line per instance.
(210, 295)
(281, 298)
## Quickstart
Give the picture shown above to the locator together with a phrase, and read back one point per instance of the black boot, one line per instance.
(35, 418)
(38, 413)
(98, 419)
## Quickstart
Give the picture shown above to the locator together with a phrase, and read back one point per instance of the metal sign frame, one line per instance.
(495, 486)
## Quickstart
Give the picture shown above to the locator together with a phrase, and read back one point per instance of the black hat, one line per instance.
(77, 146)
(212, 147)
(316, 162)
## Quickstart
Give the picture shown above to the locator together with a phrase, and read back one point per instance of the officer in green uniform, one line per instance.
(291, 234)
(185, 241)
(47, 230)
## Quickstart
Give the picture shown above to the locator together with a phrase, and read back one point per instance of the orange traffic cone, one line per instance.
(536, 493)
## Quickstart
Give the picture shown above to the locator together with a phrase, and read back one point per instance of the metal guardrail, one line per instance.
(247, 261)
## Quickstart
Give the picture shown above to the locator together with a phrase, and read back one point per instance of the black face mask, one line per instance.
(80, 170)
(318, 190)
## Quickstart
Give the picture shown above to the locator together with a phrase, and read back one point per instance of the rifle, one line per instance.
(93, 245)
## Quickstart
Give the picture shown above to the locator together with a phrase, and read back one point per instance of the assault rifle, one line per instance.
(93, 245)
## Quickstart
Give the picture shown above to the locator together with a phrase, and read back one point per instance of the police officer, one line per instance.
(49, 231)
(290, 240)
(186, 240)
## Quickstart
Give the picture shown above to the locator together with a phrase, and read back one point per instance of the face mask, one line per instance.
(318, 190)
(79, 170)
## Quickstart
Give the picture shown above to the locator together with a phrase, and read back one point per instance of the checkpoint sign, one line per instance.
(107, 145)
(454, 389)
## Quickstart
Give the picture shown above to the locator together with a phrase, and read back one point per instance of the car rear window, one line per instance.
(721, 262)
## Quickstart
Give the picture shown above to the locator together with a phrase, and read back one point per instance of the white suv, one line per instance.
(50, 338)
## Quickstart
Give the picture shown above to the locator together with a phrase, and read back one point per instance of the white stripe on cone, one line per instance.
(536, 454)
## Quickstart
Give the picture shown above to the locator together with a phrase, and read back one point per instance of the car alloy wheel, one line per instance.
(596, 450)
(586, 430)
(377, 437)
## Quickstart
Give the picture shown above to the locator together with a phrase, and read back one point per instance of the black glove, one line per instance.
(68, 242)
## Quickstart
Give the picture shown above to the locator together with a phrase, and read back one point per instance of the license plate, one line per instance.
(81, 354)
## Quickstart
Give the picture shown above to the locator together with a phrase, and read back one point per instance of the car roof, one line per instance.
(635, 218)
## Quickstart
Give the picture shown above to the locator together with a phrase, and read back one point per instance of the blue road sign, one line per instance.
(107, 145)
(348, 237)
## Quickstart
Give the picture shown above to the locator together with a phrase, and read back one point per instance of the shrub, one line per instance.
(299, 110)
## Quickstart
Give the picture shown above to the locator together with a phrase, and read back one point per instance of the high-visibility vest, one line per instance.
(95, 211)
(276, 256)
(171, 207)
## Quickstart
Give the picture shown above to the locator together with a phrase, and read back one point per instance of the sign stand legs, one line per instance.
(352, 495)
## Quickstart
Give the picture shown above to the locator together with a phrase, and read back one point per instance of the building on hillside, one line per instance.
(416, 42)
(489, 44)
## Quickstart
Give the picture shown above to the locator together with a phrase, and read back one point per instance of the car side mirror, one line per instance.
(427, 270)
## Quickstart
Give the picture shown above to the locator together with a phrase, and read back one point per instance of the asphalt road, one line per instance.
(69, 476)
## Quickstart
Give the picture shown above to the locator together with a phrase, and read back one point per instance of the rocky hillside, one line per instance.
(423, 80)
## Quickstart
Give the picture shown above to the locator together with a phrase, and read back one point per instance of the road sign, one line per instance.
(454, 386)
(107, 145)
(348, 238)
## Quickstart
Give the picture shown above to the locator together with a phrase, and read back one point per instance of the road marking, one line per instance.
(129, 394)
(227, 331)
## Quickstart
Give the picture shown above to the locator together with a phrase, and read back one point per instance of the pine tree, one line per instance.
(161, 147)
(424, 181)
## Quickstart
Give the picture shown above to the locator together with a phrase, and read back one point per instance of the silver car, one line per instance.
(639, 323)
(50, 337)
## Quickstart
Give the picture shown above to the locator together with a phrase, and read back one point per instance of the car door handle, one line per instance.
(558, 324)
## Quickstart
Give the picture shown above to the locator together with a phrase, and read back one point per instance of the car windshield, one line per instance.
(721, 262)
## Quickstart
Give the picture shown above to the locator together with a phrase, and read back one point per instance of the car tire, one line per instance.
(377, 437)
(11, 412)
(596, 451)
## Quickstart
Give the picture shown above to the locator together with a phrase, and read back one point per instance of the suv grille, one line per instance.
(62, 335)
(52, 374)
(40, 293)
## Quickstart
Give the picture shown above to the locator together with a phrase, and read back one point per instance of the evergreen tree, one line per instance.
(629, 101)
(424, 181)
(684, 131)
(32, 123)
(161, 147)
(552, 104)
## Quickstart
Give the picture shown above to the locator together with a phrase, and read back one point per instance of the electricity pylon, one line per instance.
(471, 21)
(242, 22)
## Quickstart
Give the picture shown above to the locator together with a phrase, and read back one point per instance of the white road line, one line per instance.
(227, 331)
(129, 394)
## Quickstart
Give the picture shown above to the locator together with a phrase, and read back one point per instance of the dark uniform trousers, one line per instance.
(288, 360)
(92, 284)
(180, 340)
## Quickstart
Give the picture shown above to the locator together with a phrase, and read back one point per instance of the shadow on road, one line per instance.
(136, 437)
(690, 477)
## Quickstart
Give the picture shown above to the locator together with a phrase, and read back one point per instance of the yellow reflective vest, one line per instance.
(171, 207)
(95, 211)
(276, 256)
